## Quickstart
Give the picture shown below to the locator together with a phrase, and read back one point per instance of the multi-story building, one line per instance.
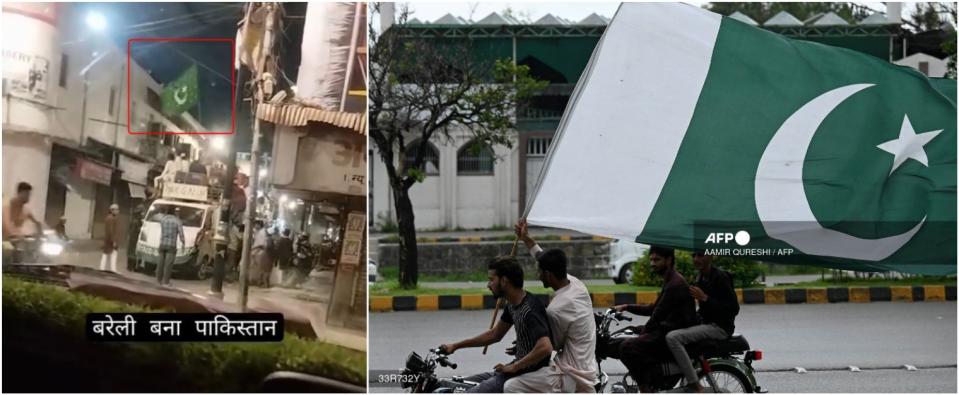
(65, 118)
(466, 189)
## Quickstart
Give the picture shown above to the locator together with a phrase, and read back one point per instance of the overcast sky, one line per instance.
(533, 10)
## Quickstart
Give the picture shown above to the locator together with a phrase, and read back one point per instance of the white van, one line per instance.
(195, 217)
(622, 254)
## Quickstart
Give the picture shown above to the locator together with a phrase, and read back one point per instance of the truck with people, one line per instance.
(198, 206)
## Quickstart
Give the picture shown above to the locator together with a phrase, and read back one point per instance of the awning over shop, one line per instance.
(295, 114)
(92, 171)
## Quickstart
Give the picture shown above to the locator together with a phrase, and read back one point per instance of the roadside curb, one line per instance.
(924, 293)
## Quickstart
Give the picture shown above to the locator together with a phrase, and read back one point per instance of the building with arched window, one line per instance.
(463, 187)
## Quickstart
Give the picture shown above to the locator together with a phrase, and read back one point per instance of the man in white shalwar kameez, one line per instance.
(570, 313)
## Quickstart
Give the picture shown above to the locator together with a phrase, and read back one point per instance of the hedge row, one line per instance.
(52, 320)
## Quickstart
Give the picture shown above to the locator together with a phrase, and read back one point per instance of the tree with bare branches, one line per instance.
(422, 89)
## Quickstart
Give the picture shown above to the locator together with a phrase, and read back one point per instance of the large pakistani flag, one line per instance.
(181, 94)
(688, 128)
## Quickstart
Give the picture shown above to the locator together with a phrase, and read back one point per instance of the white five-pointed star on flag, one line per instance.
(908, 145)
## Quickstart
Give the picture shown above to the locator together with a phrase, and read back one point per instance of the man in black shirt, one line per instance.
(718, 308)
(526, 314)
(673, 309)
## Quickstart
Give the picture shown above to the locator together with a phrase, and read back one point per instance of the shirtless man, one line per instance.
(16, 213)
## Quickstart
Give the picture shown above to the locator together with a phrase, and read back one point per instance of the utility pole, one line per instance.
(263, 87)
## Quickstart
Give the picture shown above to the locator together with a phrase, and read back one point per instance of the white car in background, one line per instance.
(371, 271)
(622, 255)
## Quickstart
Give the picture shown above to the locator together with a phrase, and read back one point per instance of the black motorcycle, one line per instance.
(723, 365)
(419, 376)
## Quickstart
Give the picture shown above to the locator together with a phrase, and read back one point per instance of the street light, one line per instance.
(218, 143)
(96, 21)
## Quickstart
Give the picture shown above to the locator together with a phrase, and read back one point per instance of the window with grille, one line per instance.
(474, 158)
(431, 158)
(538, 146)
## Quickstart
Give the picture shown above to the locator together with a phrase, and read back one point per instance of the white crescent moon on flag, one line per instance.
(781, 197)
(176, 95)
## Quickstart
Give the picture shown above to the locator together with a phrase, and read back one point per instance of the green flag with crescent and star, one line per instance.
(181, 94)
(746, 143)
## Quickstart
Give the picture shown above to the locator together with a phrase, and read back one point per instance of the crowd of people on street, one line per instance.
(279, 256)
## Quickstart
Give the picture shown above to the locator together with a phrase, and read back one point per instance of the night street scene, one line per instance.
(184, 158)
(663, 197)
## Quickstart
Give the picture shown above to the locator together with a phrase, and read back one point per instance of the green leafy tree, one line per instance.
(949, 47)
(422, 88)
(925, 17)
(745, 273)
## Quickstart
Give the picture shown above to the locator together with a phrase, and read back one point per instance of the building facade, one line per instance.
(66, 114)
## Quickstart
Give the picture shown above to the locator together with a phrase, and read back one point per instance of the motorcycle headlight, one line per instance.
(51, 249)
(415, 363)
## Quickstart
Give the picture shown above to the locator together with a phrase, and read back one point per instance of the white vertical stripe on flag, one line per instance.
(626, 120)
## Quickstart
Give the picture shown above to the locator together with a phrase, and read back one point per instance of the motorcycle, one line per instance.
(722, 365)
(419, 376)
(304, 255)
(42, 248)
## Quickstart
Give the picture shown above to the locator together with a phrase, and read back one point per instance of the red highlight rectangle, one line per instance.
(180, 39)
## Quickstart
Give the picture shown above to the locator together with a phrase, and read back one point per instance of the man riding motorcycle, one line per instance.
(570, 312)
(673, 309)
(718, 308)
(527, 315)
(16, 213)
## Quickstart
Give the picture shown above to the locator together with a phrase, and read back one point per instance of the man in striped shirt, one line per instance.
(526, 314)
(171, 229)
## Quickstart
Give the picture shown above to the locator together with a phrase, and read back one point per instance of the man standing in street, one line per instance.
(260, 256)
(526, 314)
(171, 229)
(571, 322)
(284, 255)
(673, 309)
(110, 239)
(136, 222)
(718, 308)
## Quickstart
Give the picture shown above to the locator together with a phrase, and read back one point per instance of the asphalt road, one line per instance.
(823, 339)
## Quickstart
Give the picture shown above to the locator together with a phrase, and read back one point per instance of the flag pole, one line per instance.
(499, 301)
